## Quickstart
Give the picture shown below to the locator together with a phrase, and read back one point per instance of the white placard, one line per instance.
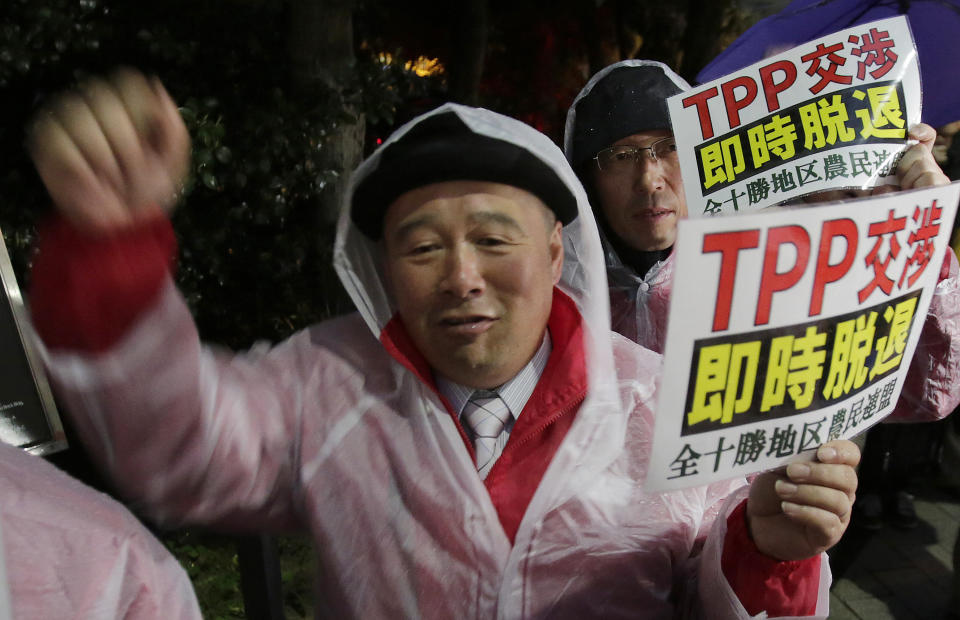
(832, 113)
(792, 327)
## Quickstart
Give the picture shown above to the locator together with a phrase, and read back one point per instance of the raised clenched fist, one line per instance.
(113, 152)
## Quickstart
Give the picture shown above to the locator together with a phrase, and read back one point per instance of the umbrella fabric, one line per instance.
(936, 33)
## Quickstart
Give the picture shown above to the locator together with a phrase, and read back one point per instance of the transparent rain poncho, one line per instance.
(68, 551)
(639, 302)
(326, 432)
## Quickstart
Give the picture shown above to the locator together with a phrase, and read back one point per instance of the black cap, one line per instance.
(627, 100)
(442, 148)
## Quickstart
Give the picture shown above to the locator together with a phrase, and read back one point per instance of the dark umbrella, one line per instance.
(936, 32)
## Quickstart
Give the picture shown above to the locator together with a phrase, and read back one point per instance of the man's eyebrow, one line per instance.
(480, 217)
(495, 217)
(405, 229)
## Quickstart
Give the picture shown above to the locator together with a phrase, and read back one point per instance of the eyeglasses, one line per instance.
(623, 157)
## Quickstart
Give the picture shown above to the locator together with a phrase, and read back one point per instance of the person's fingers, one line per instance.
(113, 152)
(77, 191)
(943, 141)
(949, 129)
(941, 145)
(164, 141)
(833, 500)
(823, 527)
(118, 127)
(910, 156)
(920, 168)
(928, 178)
(924, 134)
(139, 100)
(940, 154)
(80, 123)
(172, 141)
(830, 487)
(148, 184)
(917, 168)
(842, 477)
(839, 452)
(922, 174)
(58, 160)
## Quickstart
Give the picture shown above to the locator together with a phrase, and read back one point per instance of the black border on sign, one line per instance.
(54, 439)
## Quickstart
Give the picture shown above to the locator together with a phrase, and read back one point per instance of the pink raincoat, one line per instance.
(71, 552)
(330, 433)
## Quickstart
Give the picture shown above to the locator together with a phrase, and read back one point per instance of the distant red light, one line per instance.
(379, 141)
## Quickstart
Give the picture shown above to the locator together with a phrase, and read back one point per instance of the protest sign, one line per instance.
(28, 416)
(792, 327)
(832, 113)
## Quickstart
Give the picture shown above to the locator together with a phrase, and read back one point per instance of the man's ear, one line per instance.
(556, 251)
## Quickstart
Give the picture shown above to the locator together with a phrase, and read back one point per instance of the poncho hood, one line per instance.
(549, 176)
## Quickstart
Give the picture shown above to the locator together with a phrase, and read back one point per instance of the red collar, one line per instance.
(545, 420)
(563, 379)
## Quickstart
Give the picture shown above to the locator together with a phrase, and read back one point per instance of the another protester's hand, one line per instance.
(113, 153)
(918, 168)
(800, 512)
(941, 146)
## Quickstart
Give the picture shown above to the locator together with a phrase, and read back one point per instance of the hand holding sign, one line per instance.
(803, 510)
(114, 153)
(918, 168)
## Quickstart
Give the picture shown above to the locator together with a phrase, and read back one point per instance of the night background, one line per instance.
(282, 100)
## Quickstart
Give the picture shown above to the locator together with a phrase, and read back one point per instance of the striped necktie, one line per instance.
(486, 414)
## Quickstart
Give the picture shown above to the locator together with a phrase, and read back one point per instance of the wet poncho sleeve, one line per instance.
(89, 292)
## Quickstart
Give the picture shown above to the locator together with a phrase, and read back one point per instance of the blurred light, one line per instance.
(421, 66)
(424, 66)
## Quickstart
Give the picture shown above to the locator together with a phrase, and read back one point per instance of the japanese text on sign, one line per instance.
(846, 118)
(786, 438)
(780, 372)
(828, 114)
(792, 327)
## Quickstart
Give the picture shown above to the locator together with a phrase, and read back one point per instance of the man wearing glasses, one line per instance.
(620, 142)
